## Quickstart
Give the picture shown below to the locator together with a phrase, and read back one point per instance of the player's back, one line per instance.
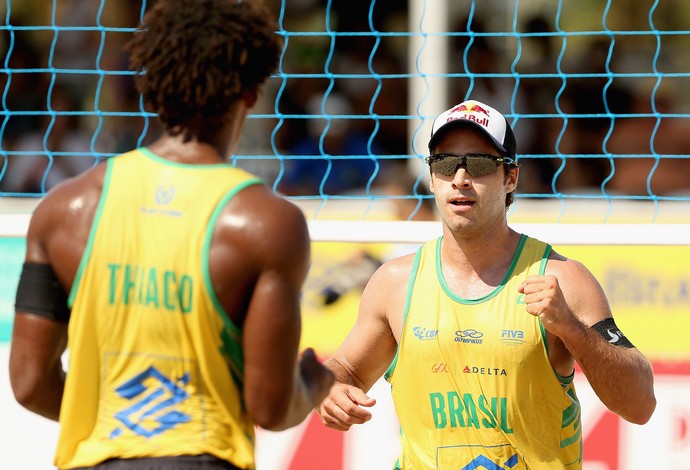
(155, 361)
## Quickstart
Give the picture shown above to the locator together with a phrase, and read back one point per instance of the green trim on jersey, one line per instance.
(413, 276)
(542, 270)
(187, 166)
(232, 342)
(490, 295)
(92, 233)
(144, 316)
(492, 352)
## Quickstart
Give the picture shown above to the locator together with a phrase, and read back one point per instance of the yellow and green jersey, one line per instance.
(471, 381)
(155, 364)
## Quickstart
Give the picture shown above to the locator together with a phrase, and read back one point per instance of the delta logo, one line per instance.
(484, 370)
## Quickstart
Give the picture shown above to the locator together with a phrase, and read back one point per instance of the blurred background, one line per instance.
(596, 91)
(598, 95)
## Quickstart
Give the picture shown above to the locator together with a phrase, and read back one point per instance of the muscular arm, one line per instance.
(368, 349)
(279, 390)
(36, 374)
(370, 346)
(569, 300)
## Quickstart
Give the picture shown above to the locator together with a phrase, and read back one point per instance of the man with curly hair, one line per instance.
(171, 277)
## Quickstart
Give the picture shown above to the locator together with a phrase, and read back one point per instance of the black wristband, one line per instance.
(610, 332)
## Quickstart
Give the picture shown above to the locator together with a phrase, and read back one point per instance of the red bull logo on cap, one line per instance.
(457, 109)
(470, 111)
(472, 108)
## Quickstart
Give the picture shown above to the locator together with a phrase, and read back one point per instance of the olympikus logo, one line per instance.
(469, 336)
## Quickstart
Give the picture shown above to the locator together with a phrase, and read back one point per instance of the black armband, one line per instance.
(610, 332)
(40, 293)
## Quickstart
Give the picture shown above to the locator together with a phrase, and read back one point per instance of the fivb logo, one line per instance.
(513, 337)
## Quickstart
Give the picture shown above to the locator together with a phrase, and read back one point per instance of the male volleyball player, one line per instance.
(478, 332)
(184, 273)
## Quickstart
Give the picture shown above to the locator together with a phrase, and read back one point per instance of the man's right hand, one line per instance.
(345, 406)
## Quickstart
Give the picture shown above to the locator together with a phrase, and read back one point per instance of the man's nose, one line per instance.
(461, 177)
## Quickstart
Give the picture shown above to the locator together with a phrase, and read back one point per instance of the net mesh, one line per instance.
(596, 93)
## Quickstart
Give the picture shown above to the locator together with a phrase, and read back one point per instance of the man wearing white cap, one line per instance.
(478, 331)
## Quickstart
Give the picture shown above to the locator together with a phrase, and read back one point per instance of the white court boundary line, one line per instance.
(369, 231)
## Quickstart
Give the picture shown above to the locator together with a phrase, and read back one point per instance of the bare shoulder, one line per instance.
(386, 292)
(395, 272)
(72, 196)
(264, 223)
(569, 271)
(581, 289)
(63, 217)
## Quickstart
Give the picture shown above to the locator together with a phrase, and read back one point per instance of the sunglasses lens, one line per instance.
(480, 166)
(446, 166)
(475, 165)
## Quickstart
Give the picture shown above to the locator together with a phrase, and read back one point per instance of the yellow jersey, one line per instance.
(471, 381)
(155, 363)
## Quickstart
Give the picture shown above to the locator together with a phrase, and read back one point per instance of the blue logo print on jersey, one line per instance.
(483, 462)
(164, 195)
(152, 404)
(424, 334)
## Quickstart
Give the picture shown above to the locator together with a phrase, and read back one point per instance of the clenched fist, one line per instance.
(544, 299)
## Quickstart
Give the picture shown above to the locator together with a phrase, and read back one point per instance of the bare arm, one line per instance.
(280, 390)
(569, 301)
(36, 372)
(368, 349)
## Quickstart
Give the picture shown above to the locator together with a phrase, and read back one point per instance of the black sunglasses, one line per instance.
(476, 164)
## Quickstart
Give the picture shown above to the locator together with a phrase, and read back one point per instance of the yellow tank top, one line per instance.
(155, 364)
(471, 381)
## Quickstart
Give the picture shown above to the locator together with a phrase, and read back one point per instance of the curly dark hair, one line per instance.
(194, 59)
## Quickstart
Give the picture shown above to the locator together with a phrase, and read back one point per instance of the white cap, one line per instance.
(483, 117)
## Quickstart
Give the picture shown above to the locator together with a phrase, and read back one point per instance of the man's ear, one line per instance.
(512, 179)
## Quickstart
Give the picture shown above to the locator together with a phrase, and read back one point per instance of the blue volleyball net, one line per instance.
(595, 92)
